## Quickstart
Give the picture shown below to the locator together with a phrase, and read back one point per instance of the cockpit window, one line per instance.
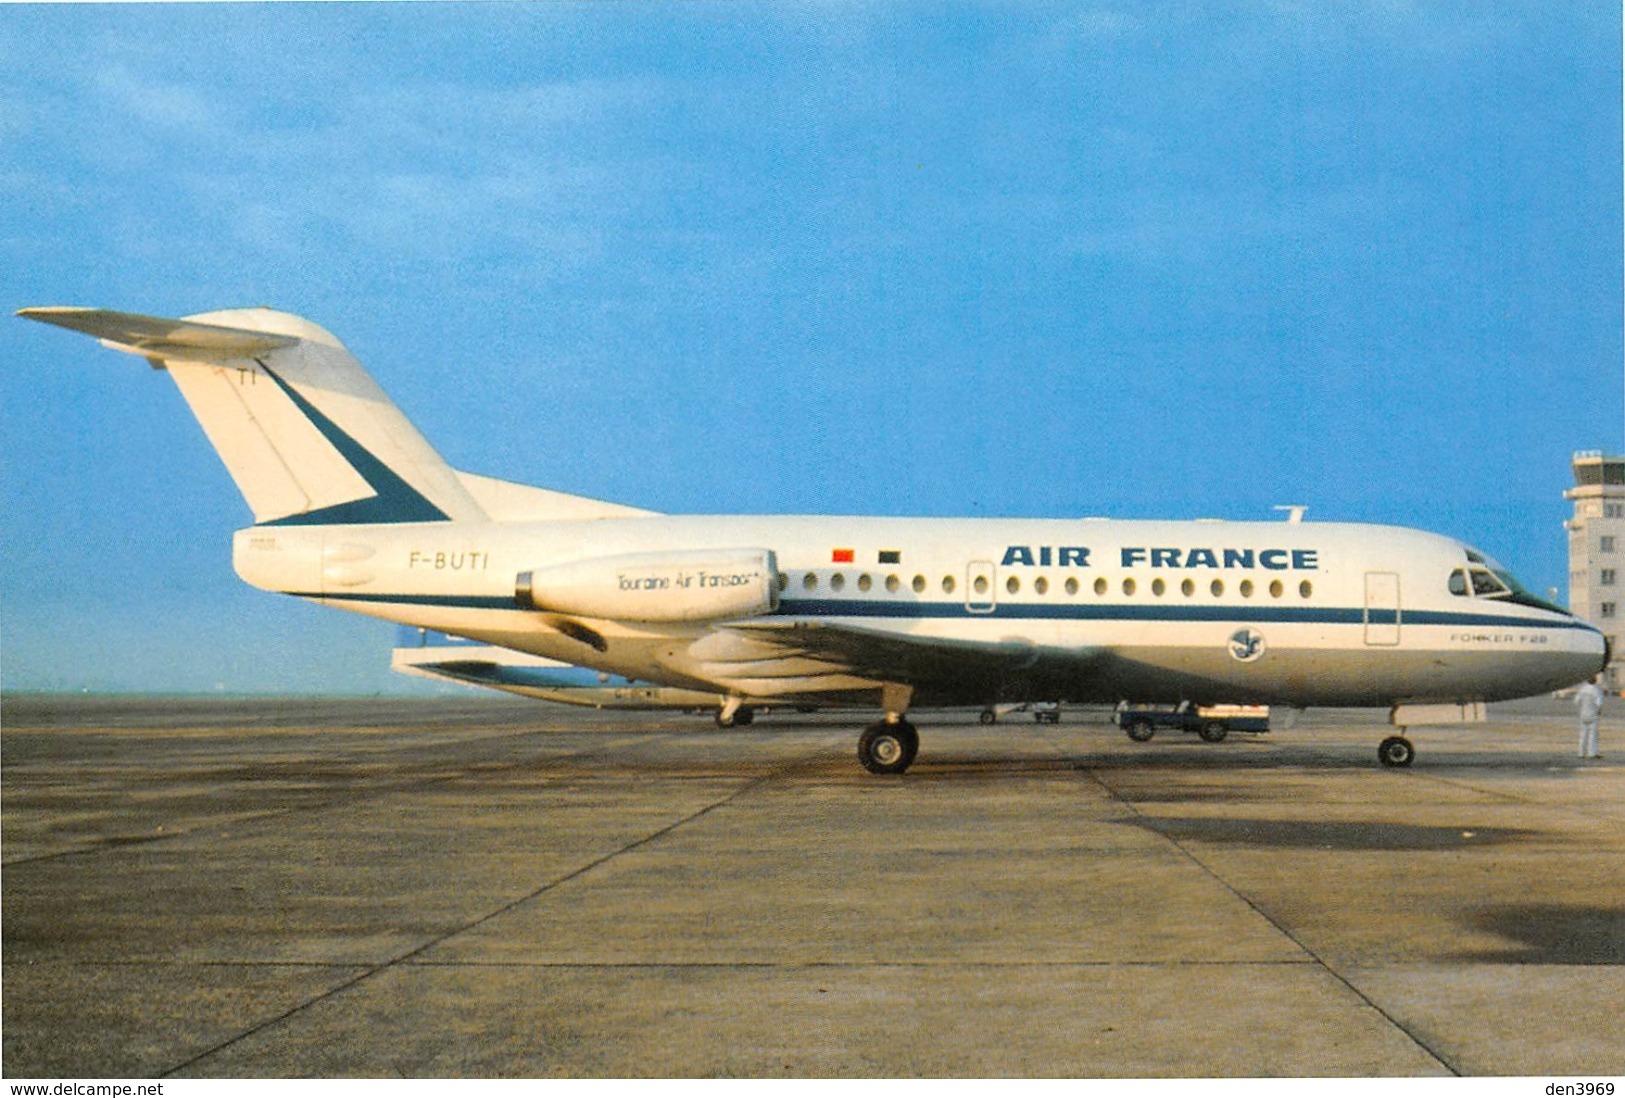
(1489, 580)
(1458, 582)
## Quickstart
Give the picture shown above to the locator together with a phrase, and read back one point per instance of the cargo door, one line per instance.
(1382, 608)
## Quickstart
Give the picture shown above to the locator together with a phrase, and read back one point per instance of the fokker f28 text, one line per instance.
(353, 508)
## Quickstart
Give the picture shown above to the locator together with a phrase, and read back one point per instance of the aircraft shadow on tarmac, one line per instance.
(1342, 835)
(1551, 935)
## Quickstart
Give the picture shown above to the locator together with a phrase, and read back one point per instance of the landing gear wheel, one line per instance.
(989, 716)
(1213, 731)
(887, 748)
(744, 717)
(1396, 751)
(1140, 731)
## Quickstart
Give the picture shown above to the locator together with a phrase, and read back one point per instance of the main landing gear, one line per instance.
(888, 746)
(1396, 751)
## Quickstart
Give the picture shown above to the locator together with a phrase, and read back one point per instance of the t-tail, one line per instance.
(305, 432)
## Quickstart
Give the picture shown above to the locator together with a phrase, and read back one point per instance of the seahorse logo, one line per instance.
(1246, 645)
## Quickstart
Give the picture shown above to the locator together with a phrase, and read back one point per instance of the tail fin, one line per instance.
(305, 432)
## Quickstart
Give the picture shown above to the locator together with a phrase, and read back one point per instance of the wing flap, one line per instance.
(160, 337)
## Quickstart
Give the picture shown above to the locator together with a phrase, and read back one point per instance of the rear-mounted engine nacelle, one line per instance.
(702, 585)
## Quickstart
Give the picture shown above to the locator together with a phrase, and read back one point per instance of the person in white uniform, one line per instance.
(1589, 700)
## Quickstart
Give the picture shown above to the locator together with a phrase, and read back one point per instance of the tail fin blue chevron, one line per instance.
(305, 432)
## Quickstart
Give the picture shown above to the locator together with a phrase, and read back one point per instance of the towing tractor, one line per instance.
(1211, 722)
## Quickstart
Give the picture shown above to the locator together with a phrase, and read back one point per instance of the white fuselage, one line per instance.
(1294, 614)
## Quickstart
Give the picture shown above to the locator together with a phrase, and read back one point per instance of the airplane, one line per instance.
(353, 508)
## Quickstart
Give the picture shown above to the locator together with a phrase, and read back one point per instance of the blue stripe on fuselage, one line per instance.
(864, 608)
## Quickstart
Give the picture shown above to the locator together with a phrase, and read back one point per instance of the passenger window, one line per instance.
(948, 584)
(1158, 587)
(810, 581)
(1013, 584)
(1218, 588)
(1188, 587)
(1128, 586)
(980, 585)
(1246, 589)
(892, 582)
(864, 582)
(1072, 585)
(1458, 582)
(1276, 589)
(1305, 589)
(1041, 586)
(837, 582)
(1100, 585)
(919, 585)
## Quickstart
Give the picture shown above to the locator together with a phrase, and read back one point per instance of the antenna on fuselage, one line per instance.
(1294, 511)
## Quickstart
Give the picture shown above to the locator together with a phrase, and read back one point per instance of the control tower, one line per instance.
(1597, 549)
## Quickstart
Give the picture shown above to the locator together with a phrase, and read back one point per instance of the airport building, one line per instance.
(1597, 549)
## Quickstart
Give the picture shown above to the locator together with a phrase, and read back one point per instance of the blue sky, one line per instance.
(1141, 260)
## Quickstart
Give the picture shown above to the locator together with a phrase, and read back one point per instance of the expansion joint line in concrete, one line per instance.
(1319, 961)
(1513, 798)
(373, 970)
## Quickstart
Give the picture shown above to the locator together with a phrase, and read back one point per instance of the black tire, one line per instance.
(1140, 731)
(744, 716)
(1213, 731)
(989, 716)
(1396, 751)
(886, 748)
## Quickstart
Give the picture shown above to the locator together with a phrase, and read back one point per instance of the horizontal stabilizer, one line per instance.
(159, 337)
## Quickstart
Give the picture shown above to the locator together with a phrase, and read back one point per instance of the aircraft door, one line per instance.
(1382, 608)
(981, 594)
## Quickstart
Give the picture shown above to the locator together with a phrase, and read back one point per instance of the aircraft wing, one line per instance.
(938, 666)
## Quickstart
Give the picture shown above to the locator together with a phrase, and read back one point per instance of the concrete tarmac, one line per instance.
(501, 888)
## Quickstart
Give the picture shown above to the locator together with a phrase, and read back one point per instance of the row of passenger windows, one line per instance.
(1041, 585)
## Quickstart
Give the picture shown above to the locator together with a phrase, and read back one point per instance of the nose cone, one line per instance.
(1565, 653)
(1587, 654)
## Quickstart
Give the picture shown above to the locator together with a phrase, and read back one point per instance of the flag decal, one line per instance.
(841, 556)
